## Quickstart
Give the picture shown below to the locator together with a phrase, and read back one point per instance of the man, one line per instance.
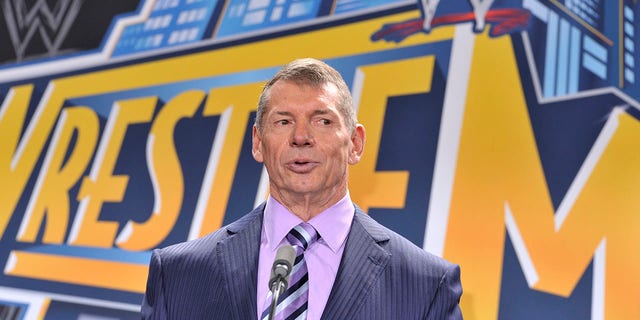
(306, 134)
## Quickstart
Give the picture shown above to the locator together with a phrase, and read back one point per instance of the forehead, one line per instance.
(294, 96)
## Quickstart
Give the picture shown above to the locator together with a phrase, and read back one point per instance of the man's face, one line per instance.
(305, 144)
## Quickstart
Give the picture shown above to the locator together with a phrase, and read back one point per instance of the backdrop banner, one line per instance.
(502, 135)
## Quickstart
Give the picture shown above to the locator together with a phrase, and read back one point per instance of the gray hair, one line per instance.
(313, 72)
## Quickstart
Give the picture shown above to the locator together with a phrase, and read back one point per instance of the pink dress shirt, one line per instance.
(323, 257)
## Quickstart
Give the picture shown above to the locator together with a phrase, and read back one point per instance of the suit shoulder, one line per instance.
(402, 250)
(401, 246)
(206, 246)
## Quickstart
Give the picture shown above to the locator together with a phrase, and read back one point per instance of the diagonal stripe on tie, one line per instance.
(294, 302)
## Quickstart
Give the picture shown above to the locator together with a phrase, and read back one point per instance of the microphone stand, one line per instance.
(280, 275)
(276, 287)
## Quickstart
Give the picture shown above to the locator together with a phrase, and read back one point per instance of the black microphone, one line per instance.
(280, 272)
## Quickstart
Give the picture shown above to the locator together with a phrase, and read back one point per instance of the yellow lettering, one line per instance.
(500, 184)
(102, 185)
(368, 187)
(604, 214)
(57, 176)
(166, 174)
(233, 104)
(17, 161)
(497, 152)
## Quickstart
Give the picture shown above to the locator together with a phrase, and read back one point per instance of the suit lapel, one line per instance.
(239, 255)
(363, 262)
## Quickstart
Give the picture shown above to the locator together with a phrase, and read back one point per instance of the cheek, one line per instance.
(339, 160)
(271, 154)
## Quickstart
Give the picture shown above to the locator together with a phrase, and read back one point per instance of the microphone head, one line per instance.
(282, 265)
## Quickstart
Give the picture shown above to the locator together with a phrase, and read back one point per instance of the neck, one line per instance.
(306, 206)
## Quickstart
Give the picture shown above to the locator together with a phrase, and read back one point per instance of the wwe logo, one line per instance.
(51, 23)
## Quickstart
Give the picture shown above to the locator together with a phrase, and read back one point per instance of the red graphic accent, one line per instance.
(501, 21)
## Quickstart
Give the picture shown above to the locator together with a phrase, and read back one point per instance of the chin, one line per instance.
(303, 187)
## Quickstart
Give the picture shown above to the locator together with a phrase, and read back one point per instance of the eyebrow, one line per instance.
(322, 112)
(314, 113)
(282, 113)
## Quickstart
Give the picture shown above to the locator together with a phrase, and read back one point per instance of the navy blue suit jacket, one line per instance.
(381, 276)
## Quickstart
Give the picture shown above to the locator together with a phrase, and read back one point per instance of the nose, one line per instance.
(301, 136)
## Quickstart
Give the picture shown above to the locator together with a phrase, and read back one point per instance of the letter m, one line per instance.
(498, 183)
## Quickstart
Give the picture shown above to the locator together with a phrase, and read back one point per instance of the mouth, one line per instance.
(301, 165)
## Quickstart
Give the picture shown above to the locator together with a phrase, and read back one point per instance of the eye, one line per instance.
(324, 121)
(283, 122)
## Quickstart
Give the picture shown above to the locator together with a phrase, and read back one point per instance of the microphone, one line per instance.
(282, 266)
(280, 272)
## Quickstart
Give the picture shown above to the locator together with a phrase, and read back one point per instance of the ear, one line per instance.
(358, 138)
(256, 145)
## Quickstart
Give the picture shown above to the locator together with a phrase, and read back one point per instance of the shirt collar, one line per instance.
(332, 224)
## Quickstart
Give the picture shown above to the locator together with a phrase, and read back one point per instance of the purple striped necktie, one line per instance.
(293, 303)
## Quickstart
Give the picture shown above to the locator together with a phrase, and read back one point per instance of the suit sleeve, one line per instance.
(153, 304)
(446, 303)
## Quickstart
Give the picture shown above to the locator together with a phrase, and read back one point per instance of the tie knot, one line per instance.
(303, 235)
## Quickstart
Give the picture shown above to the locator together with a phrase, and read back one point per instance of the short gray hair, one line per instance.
(312, 72)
